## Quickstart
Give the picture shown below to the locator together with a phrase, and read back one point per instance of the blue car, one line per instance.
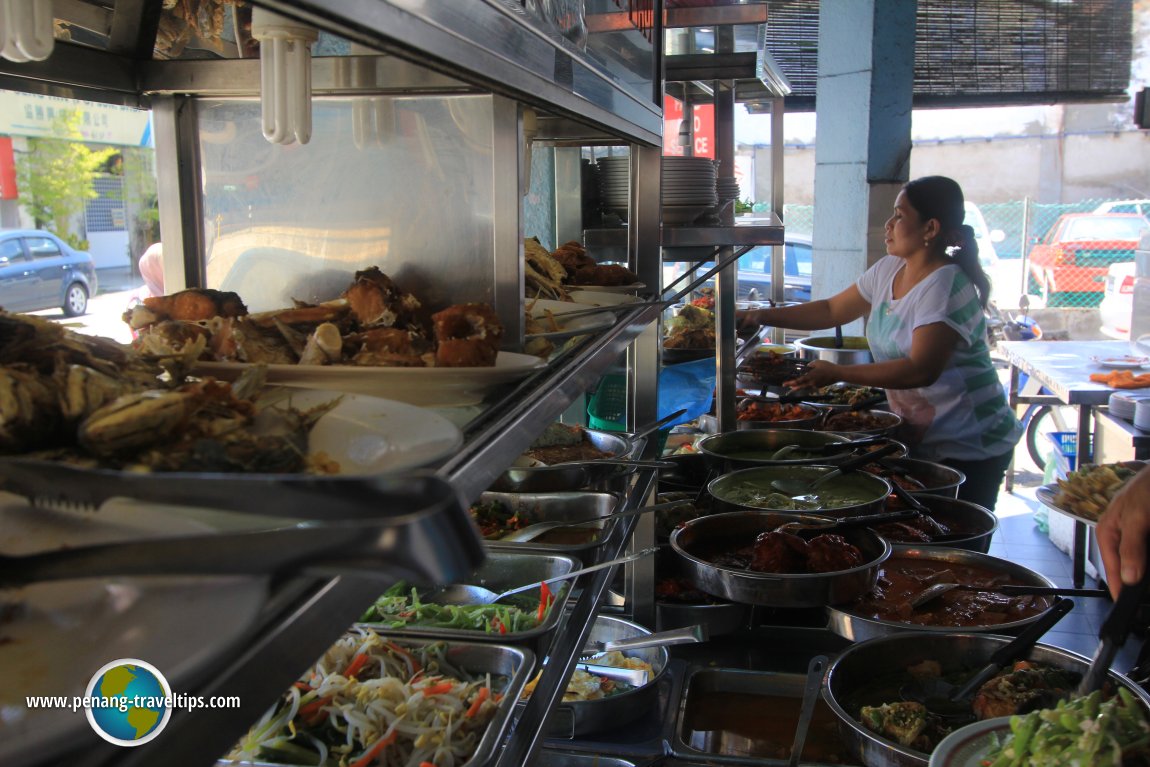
(754, 271)
(39, 271)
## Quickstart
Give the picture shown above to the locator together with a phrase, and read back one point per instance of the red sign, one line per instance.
(702, 131)
(8, 190)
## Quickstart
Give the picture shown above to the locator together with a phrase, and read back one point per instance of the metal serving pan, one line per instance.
(547, 757)
(862, 668)
(870, 491)
(886, 422)
(505, 570)
(576, 475)
(574, 506)
(513, 663)
(962, 517)
(732, 450)
(584, 717)
(936, 478)
(858, 628)
(699, 539)
(734, 716)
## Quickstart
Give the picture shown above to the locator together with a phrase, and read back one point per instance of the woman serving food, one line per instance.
(925, 326)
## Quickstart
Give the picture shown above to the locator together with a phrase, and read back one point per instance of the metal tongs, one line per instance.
(353, 525)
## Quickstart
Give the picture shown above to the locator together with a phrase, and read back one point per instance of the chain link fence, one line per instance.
(1058, 254)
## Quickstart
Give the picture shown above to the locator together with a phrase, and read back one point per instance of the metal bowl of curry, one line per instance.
(850, 494)
(910, 569)
(744, 449)
(727, 555)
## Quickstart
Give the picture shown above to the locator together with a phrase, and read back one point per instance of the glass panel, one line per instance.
(402, 183)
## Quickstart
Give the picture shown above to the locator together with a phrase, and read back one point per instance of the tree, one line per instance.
(55, 177)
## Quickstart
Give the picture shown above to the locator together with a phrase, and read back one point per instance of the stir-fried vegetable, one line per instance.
(496, 519)
(401, 606)
(370, 701)
(1084, 730)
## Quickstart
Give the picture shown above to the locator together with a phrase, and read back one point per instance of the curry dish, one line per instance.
(901, 578)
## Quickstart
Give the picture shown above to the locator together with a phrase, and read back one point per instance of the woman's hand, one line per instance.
(748, 319)
(819, 373)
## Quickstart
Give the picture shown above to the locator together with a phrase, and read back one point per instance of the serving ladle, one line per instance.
(936, 590)
(953, 702)
(465, 594)
(798, 487)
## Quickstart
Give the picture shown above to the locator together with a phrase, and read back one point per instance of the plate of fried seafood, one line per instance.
(1086, 492)
(374, 339)
(554, 274)
(92, 402)
(54, 635)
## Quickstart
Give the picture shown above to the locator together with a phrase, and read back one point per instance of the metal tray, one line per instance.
(551, 758)
(505, 570)
(773, 700)
(574, 506)
(514, 663)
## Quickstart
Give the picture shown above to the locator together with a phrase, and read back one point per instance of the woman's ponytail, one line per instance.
(963, 249)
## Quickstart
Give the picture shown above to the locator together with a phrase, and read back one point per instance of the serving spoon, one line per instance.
(934, 591)
(795, 487)
(465, 594)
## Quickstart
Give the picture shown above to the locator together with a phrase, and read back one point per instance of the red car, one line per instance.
(1068, 266)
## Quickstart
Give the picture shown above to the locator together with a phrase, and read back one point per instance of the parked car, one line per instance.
(1068, 266)
(39, 271)
(1141, 207)
(754, 271)
(1117, 305)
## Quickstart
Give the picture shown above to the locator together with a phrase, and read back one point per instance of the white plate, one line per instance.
(65, 631)
(369, 435)
(1120, 362)
(634, 287)
(1046, 495)
(416, 386)
(587, 323)
(967, 746)
(597, 298)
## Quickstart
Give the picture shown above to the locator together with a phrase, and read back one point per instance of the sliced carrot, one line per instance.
(370, 755)
(356, 665)
(416, 666)
(481, 696)
(438, 689)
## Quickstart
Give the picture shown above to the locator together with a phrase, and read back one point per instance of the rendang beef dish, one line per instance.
(901, 578)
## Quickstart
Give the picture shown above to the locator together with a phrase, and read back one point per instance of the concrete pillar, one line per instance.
(866, 68)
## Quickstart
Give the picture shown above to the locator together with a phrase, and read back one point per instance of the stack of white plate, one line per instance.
(688, 188)
(1142, 414)
(1122, 405)
(727, 188)
(614, 183)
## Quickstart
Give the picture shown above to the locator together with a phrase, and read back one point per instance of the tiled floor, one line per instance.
(1020, 540)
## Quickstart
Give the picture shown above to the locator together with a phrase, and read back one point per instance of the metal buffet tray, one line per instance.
(740, 689)
(574, 506)
(514, 663)
(505, 570)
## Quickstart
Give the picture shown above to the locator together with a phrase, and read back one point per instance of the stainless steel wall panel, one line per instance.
(417, 198)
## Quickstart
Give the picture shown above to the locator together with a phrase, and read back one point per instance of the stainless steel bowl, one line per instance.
(977, 522)
(854, 680)
(585, 717)
(936, 478)
(869, 490)
(699, 540)
(884, 422)
(731, 450)
(851, 624)
(812, 416)
(855, 349)
(576, 475)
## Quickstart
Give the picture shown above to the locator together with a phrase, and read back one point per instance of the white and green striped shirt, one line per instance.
(964, 414)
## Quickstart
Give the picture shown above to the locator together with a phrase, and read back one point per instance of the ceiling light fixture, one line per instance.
(26, 32)
(285, 76)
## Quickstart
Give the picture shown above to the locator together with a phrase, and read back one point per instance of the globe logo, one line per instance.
(130, 702)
